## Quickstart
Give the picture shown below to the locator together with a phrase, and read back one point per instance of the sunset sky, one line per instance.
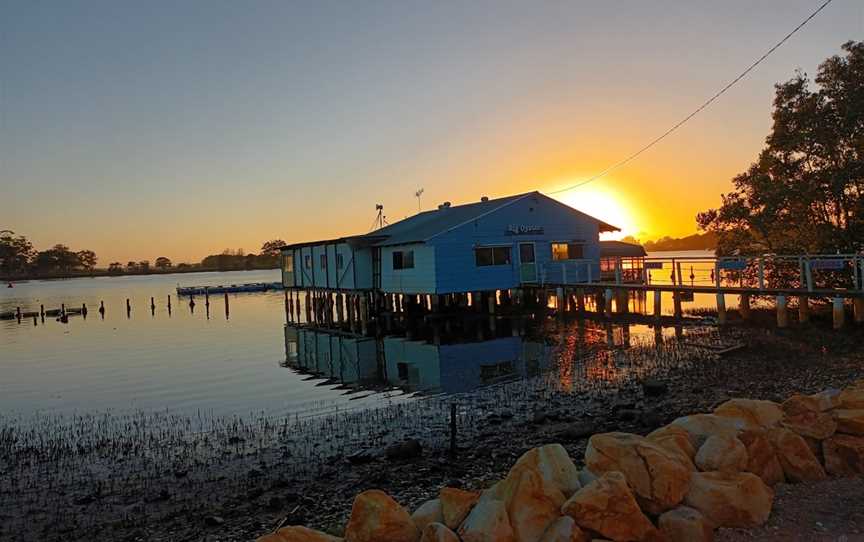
(143, 129)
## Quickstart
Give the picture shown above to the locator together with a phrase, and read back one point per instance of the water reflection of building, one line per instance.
(369, 362)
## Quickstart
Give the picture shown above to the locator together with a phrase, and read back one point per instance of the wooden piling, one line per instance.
(676, 303)
(858, 307)
(803, 309)
(129, 305)
(744, 307)
(658, 304)
(839, 312)
(721, 308)
(782, 316)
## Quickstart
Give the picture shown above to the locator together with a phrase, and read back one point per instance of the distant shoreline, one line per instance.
(105, 273)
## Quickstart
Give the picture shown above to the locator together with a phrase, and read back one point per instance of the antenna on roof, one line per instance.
(417, 195)
(379, 219)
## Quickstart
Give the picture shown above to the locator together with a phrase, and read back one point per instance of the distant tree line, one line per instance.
(19, 260)
(697, 241)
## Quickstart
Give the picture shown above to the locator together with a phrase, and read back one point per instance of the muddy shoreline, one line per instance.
(252, 490)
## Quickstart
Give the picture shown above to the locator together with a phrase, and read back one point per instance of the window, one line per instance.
(340, 262)
(403, 259)
(308, 261)
(323, 261)
(566, 251)
(486, 256)
(288, 263)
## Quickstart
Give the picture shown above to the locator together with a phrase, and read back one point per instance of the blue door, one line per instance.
(527, 263)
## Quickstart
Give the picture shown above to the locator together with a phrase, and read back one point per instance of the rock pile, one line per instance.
(678, 483)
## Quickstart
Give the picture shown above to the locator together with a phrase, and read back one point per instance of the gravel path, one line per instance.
(832, 510)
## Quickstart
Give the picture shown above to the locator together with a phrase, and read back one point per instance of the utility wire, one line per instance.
(656, 140)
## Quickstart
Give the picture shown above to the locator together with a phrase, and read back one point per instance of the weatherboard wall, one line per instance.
(456, 269)
(418, 280)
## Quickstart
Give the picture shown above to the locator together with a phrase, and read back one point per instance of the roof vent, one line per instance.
(445, 205)
(484, 199)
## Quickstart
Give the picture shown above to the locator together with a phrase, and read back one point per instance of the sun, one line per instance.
(602, 203)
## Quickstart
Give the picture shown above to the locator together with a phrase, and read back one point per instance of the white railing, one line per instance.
(570, 272)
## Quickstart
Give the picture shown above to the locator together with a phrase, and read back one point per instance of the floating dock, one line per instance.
(231, 289)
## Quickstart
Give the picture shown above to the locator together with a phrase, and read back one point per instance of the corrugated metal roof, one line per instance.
(620, 249)
(428, 224)
(423, 226)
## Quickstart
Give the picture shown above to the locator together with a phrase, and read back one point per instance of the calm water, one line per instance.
(183, 361)
(225, 363)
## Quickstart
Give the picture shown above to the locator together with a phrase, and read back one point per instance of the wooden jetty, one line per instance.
(230, 289)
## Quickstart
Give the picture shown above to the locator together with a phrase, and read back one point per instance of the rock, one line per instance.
(761, 458)
(487, 522)
(586, 477)
(803, 415)
(852, 397)
(685, 524)
(764, 414)
(455, 505)
(438, 532)
(608, 507)
(659, 478)
(296, 533)
(730, 499)
(798, 462)
(722, 453)
(564, 529)
(844, 455)
(654, 388)
(408, 449)
(827, 399)
(701, 426)
(428, 512)
(675, 439)
(554, 464)
(850, 422)
(533, 503)
(375, 516)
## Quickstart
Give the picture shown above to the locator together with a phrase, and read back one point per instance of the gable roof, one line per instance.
(616, 249)
(428, 224)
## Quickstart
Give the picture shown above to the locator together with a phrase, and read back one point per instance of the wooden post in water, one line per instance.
(227, 307)
(129, 306)
(169, 302)
(607, 303)
(803, 309)
(84, 310)
(676, 302)
(858, 307)
(42, 311)
(839, 312)
(744, 307)
(658, 305)
(782, 316)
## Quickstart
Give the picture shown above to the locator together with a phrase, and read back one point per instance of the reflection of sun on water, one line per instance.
(605, 204)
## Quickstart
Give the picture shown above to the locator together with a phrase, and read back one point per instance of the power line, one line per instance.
(659, 138)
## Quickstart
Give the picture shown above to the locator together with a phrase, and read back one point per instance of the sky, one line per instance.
(179, 129)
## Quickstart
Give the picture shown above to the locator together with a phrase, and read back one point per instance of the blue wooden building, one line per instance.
(493, 244)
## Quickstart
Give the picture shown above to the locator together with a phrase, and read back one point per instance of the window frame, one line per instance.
(324, 262)
(307, 261)
(569, 245)
(405, 258)
(340, 261)
(492, 255)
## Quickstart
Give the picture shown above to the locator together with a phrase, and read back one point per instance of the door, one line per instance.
(527, 263)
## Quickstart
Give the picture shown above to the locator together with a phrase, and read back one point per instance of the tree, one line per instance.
(162, 263)
(87, 259)
(57, 259)
(805, 193)
(131, 267)
(115, 268)
(272, 248)
(16, 253)
(144, 266)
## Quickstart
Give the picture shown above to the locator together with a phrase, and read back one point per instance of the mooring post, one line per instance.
(128, 306)
(658, 304)
(84, 310)
(42, 311)
(169, 302)
(782, 317)
(839, 312)
(803, 309)
(721, 308)
(18, 313)
(227, 307)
